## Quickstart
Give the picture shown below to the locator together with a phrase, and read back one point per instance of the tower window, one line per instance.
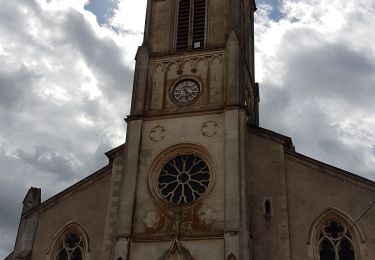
(183, 25)
(191, 24)
(199, 23)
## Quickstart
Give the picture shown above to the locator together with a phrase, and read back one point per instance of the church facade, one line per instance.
(197, 178)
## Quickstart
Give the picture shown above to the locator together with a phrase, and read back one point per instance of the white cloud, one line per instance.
(65, 87)
(315, 68)
(129, 19)
(58, 5)
(130, 16)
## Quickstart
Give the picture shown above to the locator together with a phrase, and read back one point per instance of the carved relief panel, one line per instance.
(168, 76)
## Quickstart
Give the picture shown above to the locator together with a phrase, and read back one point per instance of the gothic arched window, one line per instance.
(191, 24)
(335, 242)
(71, 247)
(70, 243)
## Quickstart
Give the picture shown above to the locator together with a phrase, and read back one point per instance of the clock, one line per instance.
(185, 91)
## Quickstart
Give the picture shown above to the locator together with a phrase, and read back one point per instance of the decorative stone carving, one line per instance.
(207, 216)
(157, 133)
(189, 61)
(210, 128)
(32, 199)
(151, 219)
(182, 222)
(122, 238)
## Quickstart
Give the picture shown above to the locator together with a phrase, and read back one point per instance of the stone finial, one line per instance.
(32, 199)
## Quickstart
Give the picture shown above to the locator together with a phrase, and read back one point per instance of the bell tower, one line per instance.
(207, 46)
(181, 184)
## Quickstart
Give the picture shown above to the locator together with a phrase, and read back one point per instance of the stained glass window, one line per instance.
(71, 247)
(335, 243)
(183, 179)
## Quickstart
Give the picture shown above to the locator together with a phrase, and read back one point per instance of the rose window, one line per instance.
(183, 179)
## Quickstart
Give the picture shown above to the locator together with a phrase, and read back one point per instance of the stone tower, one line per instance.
(180, 189)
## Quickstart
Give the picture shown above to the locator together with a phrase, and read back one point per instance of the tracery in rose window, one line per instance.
(183, 179)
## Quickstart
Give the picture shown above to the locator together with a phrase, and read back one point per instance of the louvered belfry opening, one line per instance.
(199, 21)
(183, 25)
(191, 24)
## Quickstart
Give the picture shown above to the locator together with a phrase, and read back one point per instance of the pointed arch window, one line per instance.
(191, 25)
(335, 242)
(70, 243)
(71, 247)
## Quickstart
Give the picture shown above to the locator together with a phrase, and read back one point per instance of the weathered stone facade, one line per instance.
(246, 194)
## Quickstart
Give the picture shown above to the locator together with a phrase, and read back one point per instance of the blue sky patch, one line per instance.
(276, 4)
(102, 9)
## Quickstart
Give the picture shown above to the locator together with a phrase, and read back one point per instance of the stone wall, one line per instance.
(303, 193)
(86, 206)
(266, 181)
(316, 190)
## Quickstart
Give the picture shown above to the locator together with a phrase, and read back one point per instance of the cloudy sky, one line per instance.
(66, 69)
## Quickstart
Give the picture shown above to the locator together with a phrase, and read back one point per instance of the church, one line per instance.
(197, 177)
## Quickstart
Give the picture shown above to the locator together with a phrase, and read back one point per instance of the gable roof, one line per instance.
(331, 170)
(92, 178)
(291, 154)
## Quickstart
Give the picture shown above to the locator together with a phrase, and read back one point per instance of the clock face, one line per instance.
(185, 91)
